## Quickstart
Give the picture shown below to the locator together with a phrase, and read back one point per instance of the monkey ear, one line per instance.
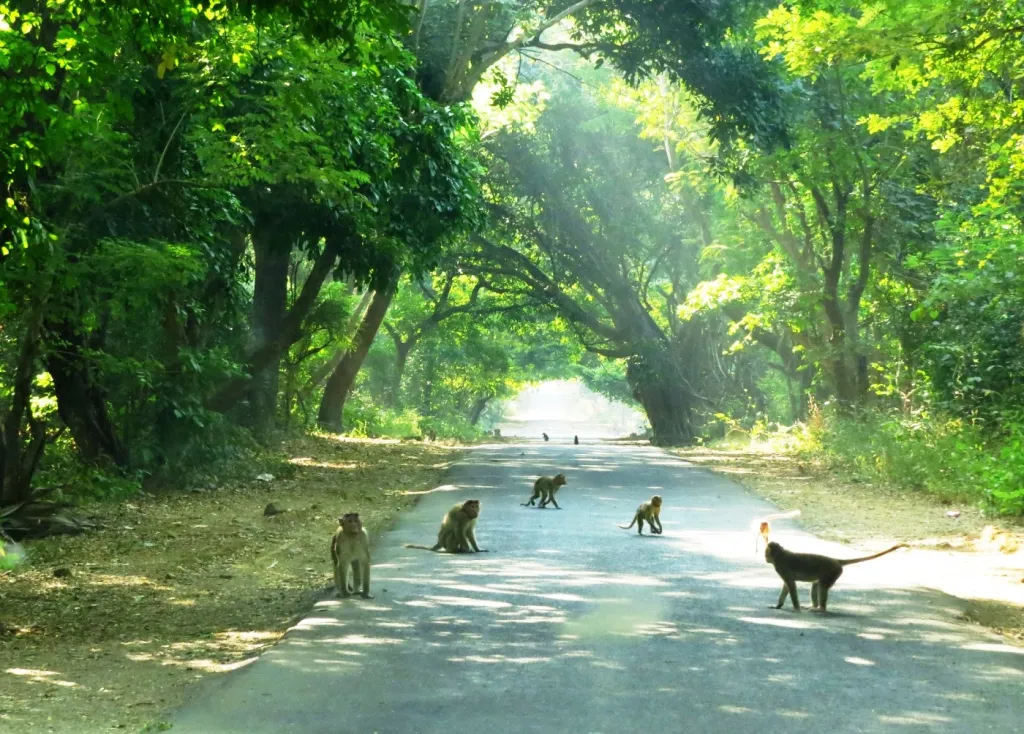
(341, 520)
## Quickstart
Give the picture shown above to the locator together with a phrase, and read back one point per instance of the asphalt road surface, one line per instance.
(572, 625)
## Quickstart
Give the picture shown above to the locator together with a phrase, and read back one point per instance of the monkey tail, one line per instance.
(779, 516)
(627, 527)
(870, 558)
(421, 547)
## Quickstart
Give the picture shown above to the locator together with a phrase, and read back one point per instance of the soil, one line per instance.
(958, 549)
(186, 585)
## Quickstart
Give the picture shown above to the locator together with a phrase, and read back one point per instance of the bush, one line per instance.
(944, 456)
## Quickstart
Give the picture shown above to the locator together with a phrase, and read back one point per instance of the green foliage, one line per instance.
(943, 456)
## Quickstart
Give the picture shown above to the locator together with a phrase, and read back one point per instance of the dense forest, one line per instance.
(221, 220)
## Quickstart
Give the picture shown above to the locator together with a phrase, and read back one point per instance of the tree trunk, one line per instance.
(665, 399)
(20, 457)
(478, 408)
(269, 305)
(332, 405)
(288, 332)
(80, 400)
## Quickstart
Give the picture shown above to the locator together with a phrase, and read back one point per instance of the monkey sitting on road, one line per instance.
(457, 533)
(350, 549)
(576, 440)
(545, 488)
(545, 436)
(649, 511)
(821, 571)
(762, 528)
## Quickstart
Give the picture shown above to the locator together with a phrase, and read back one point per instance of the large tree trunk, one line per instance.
(665, 399)
(289, 331)
(20, 454)
(269, 305)
(478, 408)
(332, 405)
(80, 401)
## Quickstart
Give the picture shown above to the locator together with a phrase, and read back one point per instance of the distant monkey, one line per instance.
(545, 488)
(649, 511)
(458, 530)
(545, 436)
(350, 549)
(576, 440)
(762, 528)
(821, 571)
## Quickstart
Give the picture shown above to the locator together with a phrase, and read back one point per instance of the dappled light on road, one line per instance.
(567, 600)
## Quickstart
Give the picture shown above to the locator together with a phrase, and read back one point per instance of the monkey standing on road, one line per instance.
(576, 440)
(457, 533)
(821, 571)
(350, 549)
(649, 511)
(545, 488)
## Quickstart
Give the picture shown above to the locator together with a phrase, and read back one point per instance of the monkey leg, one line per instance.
(791, 586)
(782, 596)
(342, 580)
(357, 575)
(532, 499)
(365, 591)
(656, 520)
(339, 579)
(639, 525)
(824, 585)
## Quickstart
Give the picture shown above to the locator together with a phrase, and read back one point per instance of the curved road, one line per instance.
(573, 625)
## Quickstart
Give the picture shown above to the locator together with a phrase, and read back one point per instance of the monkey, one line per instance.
(762, 528)
(545, 488)
(576, 440)
(457, 531)
(649, 511)
(545, 436)
(350, 549)
(821, 571)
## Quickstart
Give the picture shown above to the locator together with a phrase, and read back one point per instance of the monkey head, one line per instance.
(770, 550)
(350, 523)
(656, 500)
(559, 480)
(471, 508)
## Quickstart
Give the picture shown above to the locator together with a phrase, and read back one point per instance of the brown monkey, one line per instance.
(762, 528)
(821, 571)
(649, 511)
(458, 530)
(350, 549)
(545, 488)
(545, 436)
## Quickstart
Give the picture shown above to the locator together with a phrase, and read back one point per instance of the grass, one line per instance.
(185, 585)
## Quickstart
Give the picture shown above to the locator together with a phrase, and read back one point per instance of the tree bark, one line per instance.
(18, 457)
(478, 408)
(665, 399)
(332, 405)
(269, 305)
(80, 401)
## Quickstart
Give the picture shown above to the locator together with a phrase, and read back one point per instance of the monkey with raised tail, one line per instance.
(458, 530)
(821, 571)
(350, 550)
(545, 489)
(649, 511)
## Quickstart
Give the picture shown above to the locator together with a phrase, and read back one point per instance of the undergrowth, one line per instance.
(946, 457)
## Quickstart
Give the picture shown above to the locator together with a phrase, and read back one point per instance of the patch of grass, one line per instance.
(186, 584)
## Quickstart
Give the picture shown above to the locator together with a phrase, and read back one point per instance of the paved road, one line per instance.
(572, 625)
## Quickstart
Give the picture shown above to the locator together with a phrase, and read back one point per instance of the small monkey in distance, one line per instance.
(576, 440)
(762, 528)
(649, 511)
(457, 533)
(545, 436)
(545, 488)
(350, 549)
(821, 571)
